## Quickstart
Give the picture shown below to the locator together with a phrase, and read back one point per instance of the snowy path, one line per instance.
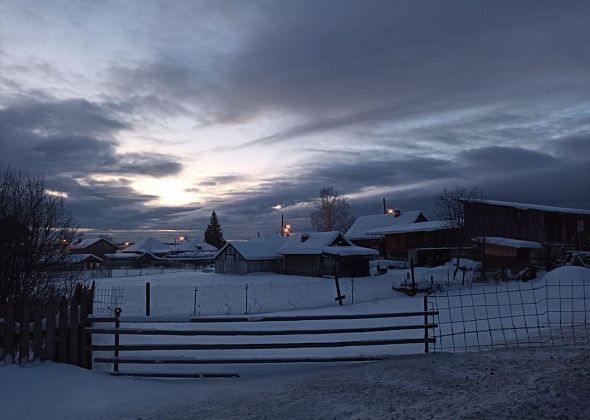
(515, 383)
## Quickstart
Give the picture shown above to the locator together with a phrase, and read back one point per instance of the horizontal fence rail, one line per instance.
(336, 340)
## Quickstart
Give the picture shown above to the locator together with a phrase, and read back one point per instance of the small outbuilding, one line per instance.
(260, 254)
(502, 253)
(95, 246)
(149, 246)
(324, 253)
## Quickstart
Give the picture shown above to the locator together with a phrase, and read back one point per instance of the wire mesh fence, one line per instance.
(241, 298)
(106, 299)
(515, 314)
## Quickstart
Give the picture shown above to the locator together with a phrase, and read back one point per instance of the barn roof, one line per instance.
(194, 246)
(363, 224)
(80, 258)
(149, 245)
(314, 243)
(86, 242)
(411, 227)
(524, 206)
(508, 242)
(258, 248)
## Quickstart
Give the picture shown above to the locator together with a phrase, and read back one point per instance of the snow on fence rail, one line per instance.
(498, 315)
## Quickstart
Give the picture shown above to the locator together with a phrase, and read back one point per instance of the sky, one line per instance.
(149, 115)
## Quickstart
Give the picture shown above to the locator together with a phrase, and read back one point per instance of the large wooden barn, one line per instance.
(322, 253)
(254, 255)
(531, 222)
(402, 240)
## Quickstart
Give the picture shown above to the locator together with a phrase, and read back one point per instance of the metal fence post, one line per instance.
(246, 299)
(195, 302)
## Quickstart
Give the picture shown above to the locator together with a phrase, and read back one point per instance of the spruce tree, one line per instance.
(214, 233)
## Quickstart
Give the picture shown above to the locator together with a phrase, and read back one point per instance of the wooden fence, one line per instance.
(54, 329)
(117, 348)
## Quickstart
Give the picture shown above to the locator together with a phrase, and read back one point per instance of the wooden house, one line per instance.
(84, 261)
(149, 246)
(324, 253)
(94, 246)
(260, 254)
(401, 241)
(547, 225)
(357, 233)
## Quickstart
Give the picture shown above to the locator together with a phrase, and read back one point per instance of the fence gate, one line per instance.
(232, 340)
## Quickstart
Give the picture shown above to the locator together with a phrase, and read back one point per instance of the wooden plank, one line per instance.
(74, 356)
(37, 331)
(255, 318)
(51, 334)
(258, 346)
(85, 352)
(270, 360)
(25, 333)
(9, 335)
(62, 344)
(179, 375)
(146, 331)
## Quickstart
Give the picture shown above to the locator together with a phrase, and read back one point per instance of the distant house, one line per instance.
(149, 246)
(547, 225)
(322, 253)
(403, 240)
(94, 246)
(358, 235)
(192, 252)
(260, 254)
(84, 261)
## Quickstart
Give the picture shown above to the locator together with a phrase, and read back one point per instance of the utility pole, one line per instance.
(282, 224)
(384, 206)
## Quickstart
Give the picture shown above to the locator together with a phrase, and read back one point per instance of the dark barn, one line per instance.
(94, 246)
(254, 255)
(545, 224)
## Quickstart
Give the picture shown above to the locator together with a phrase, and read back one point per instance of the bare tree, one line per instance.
(332, 212)
(35, 234)
(449, 208)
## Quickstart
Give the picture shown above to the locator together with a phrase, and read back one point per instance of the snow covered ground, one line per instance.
(515, 383)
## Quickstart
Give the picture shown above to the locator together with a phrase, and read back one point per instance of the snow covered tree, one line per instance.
(214, 233)
(332, 212)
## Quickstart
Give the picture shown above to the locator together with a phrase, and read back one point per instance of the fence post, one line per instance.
(246, 299)
(63, 331)
(50, 335)
(147, 298)
(9, 333)
(25, 334)
(413, 277)
(74, 358)
(425, 324)
(116, 355)
(37, 331)
(195, 302)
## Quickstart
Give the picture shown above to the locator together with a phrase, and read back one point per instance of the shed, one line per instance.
(316, 253)
(510, 253)
(259, 254)
(84, 261)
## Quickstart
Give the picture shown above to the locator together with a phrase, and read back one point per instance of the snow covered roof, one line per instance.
(363, 224)
(123, 256)
(86, 242)
(313, 243)
(78, 258)
(508, 242)
(345, 251)
(259, 248)
(524, 206)
(150, 245)
(411, 227)
(193, 246)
